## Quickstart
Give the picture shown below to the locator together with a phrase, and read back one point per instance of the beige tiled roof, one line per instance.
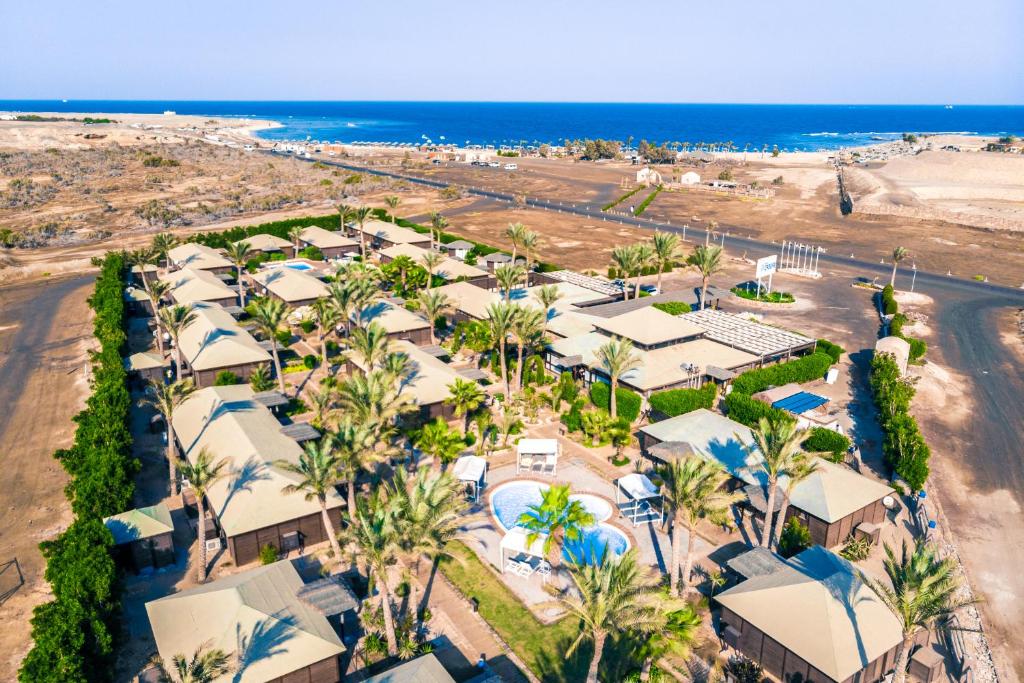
(266, 242)
(818, 606)
(191, 284)
(198, 256)
(144, 360)
(291, 285)
(470, 299)
(449, 269)
(649, 326)
(135, 525)
(392, 233)
(216, 340)
(259, 607)
(325, 239)
(393, 318)
(230, 424)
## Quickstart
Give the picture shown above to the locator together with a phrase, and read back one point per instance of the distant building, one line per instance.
(648, 176)
(689, 178)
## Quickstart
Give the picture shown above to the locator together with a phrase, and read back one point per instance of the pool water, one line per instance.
(298, 266)
(509, 501)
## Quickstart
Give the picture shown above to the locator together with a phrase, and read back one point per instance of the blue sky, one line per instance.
(791, 51)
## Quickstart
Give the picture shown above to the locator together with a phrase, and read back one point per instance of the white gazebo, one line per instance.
(471, 469)
(638, 499)
(538, 455)
(515, 547)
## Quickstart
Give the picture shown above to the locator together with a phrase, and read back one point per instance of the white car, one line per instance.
(494, 164)
(511, 167)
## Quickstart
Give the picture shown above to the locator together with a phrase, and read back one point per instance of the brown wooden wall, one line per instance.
(836, 533)
(420, 337)
(245, 548)
(206, 378)
(326, 671)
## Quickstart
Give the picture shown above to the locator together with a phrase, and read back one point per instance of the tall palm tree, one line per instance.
(437, 225)
(316, 471)
(362, 214)
(239, 254)
(165, 399)
(205, 666)
(777, 442)
(162, 243)
(440, 441)
(269, 315)
(295, 235)
(693, 491)
(345, 212)
(354, 443)
(673, 635)
(434, 304)
(898, 254)
(431, 260)
(526, 331)
(342, 295)
(174, 320)
(707, 259)
(508, 276)
(326, 317)
(667, 251)
(403, 263)
(528, 240)
(374, 398)
(371, 534)
(156, 291)
(613, 596)
(625, 261)
(392, 200)
(547, 296)
(556, 517)
(371, 344)
(645, 258)
(514, 232)
(500, 317)
(465, 397)
(924, 590)
(140, 258)
(803, 466)
(201, 476)
(616, 358)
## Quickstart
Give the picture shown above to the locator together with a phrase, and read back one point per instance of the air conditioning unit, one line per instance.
(212, 545)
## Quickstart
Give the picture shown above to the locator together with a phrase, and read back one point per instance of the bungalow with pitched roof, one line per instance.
(294, 287)
(265, 243)
(332, 245)
(143, 538)
(450, 269)
(215, 342)
(200, 257)
(400, 322)
(382, 234)
(190, 285)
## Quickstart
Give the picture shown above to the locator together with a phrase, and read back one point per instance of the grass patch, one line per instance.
(773, 298)
(621, 199)
(647, 202)
(541, 646)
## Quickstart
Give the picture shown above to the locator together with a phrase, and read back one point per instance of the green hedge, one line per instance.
(647, 201)
(219, 240)
(903, 445)
(679, 401)
(918, 347)
(822, 440)
(627, 402)
(74, 633)
(749, 411)
(889, 305)
(800, 370)
(674, 307)
(834, 351)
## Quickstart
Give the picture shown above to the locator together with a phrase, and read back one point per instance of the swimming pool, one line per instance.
(298, 266)
(511, 500)
(293, 265)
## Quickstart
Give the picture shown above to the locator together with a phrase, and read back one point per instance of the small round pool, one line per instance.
(509, 501)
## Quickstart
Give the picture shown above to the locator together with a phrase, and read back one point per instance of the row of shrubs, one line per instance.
(904, 447)
(675, 402)
(627, 401)
(805, 369)
(74, 634)
(918, 347)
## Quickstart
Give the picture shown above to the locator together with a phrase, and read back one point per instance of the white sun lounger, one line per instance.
(525, 570)
(513, 566)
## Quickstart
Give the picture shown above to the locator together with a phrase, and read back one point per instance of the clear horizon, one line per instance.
(802, 52)
(463, 101)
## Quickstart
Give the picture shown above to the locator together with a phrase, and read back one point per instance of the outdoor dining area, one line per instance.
(538, 456)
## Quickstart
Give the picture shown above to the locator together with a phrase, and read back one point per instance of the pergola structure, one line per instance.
(514, 545)
(638, 499)
(472, 470)
(538, 455)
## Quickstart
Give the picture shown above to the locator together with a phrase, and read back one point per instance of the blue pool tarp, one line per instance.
(800, 403)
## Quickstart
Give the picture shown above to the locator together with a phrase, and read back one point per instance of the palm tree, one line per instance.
(269, 314)
(528, 240)
(316, 471)
(239, 253)
(924, 591)
(156, 291)
(372, 535)
(708, 260)
(437, 225)
(625, 260)
(898, 254)
(547, 296)
(206, 666)
(526, 330)
(508, 276)
(645, 257)
(440, 441)
(326, 317)
(162, 243)
(392, 200)
(342, 295)
(465, 397)
(403, 263)
(431, 260)
(673, 635)
(557, 518)
(295, 235)
(514, 232)
(354, 443)
(434, 304)
(500, 317)
(361, 216)
(174, 319)
(323, 402)
(260, 379)
(692, 491)
(345, 212)
(667, 251)
(777, 442)
(616, 358)
(165, 399)
(803, 467)
(613, 596)
(201, 475)
(508, 422)
(140, 258)
(374, 398)
(370, 344)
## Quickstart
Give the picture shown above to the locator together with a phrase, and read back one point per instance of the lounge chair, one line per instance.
(525, 462)
(544, 569)
(525, 570)
(513, 566)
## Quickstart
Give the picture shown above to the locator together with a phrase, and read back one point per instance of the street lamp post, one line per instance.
(913, 279)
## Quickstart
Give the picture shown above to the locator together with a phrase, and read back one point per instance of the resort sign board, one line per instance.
(766, 266)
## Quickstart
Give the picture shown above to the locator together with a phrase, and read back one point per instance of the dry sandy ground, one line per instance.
(44, 337)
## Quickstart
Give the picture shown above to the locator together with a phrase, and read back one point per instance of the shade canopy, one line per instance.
(515, 542)
(638, 486)
(537, 447)
(469, 468)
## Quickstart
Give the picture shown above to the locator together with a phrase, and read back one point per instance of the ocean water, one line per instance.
(791, 127)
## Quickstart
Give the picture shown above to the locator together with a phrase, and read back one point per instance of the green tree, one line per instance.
(431, 261)
(433, 304)
(707, 259)
(165, 399)
(270, 314)
(437, 225)
(465, 397)
(326, 317)
(371, 344)
(507, 277)
(239, 254)
(501, 316)
(402, 264)
(547, 296)
(161, 244)
(201, 476)
(260, 379)
(156, 291)
(626, 261)
(528, 241)
(440, 441)
(362, 214)
(316, 472)
(645, 258)
(673, 635)
(777, 442)
(803, 466)
(557, 518)
(693, 490)
(392, 201)
(526, 332)
(295, 235)
(205, 666)
(514, 232)
(174, 320)
(616, 358)
(667, 251)
(355, 448)
(898, 255)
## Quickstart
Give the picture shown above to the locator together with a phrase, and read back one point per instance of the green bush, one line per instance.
(312, 253)
(268, 554)
(904, 447)
(822, 440)
(627, 402)
(918, 348)
(834, 351)
(674, 307)
(748, 411)
(795, 538)
(573, 418)
(310, 361)
(226, 378)
(647, 201)
(307, 325)
(800, 370)
(284, 337)
(771, 298)
(679, 401)
(889, 305)
(622, 198)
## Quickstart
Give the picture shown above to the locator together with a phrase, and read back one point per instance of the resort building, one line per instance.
(459, 249)
(811, 618)
(294, 287)
(424, 669)
(471, 303)
(400, 322)
(450, 269)
(809, 409)
(143, 538)
(261, 618)
(769, 344)
(249, 506)
(264, 243)
(215, 342)
(190, 285)
(145, 366)
(833, 502)
(333, 245)
(381, 235)
(200, 257)
(498, 259)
